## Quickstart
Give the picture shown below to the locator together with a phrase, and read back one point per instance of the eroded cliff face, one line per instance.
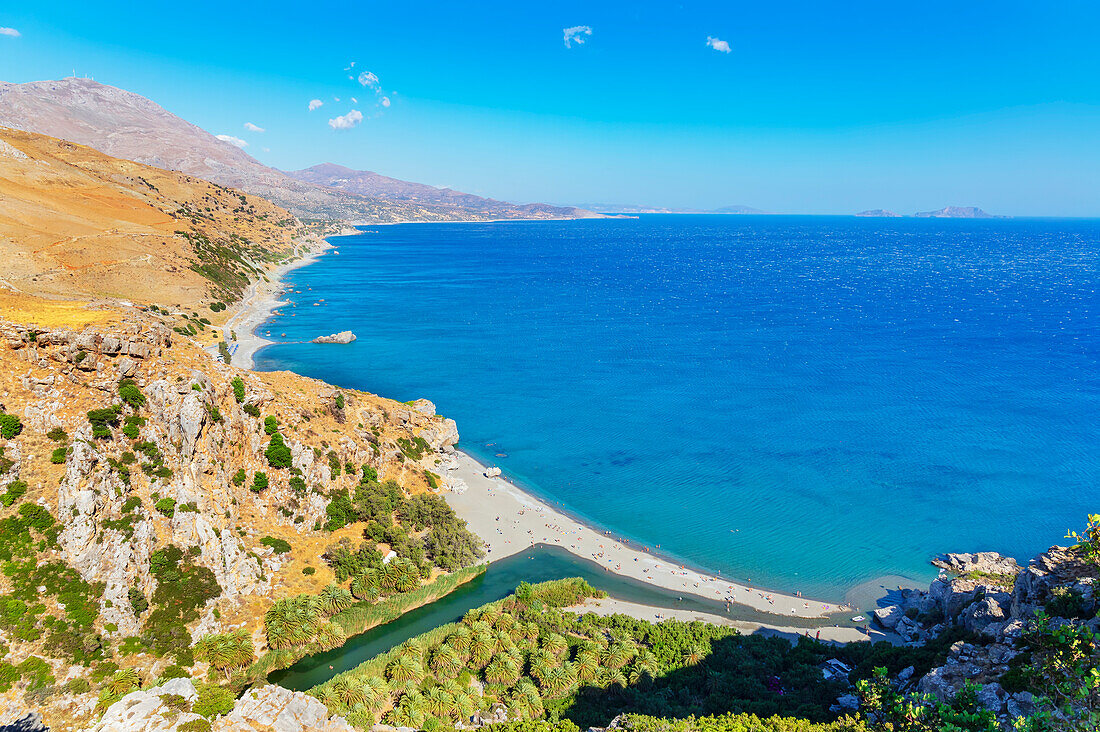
(177, 465)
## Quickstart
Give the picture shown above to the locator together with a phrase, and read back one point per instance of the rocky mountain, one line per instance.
(878, 213)
(955, 212)
(737, 210)
(465, 205)
(126, 125)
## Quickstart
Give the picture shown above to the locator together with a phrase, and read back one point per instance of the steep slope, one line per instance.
(78, 223)
(367, 183)
(127, 125)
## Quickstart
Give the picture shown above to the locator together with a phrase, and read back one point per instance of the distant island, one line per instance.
(879, 213)
(947, 212)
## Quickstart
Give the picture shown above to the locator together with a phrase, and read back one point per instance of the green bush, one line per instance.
(16, 490)
(58, 435)
(251, 410)
(240, 477)
(278, 454)
(259, 482)
(271, 426)
(212, 700)
(131, 394)
(280, 546)
(298, 485)
(10, 426)
(103, 419)
(57, 457)
(195, 725)
(167, 506)
(238, 388)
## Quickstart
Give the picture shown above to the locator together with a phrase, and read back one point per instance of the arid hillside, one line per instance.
(77, 223)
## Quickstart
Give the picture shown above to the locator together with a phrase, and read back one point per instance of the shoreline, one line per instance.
(510, 520)
(260, 300)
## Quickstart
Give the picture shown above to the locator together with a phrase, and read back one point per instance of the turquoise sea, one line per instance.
(804, 402)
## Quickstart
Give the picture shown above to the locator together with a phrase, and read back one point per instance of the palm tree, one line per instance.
(526, 700)
(531, 631)
(693, 655)
(613, 677)
(367, 586)
(445, 662)
(555, 644)
(123, 682)
(470, 617)
(438, 702)
(405, 668)
(464, 706)
(226, 652)
(588, 665)
(348, 691)
(540, 662)
(375, 691)
(333, 599)
(616, 656)
(329, 636)
(505, 623)
(502, 670)
(482, 647)
(291, 621)
(490, 615)
(325, 695)
(460, 639)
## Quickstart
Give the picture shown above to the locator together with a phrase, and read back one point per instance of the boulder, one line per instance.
(282, 710)
(887, 617)
(345, 336)
(983, 562)
(492, 472)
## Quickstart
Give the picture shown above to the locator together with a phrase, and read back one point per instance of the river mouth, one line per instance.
(538, 564)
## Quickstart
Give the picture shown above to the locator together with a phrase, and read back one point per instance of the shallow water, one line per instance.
(803, 402)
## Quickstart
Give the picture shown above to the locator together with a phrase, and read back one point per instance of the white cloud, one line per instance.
(354, 100)
(576, 34)
(366, 78)
(384, 101)
(253, 128)
(10, 32)
(315, 104)
(336, 99)
(350, 66)
(718, 44)
(232, 140)
(346, 121)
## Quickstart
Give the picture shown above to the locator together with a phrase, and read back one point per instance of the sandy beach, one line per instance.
(833, 634)
(511, 520)
(260, 299)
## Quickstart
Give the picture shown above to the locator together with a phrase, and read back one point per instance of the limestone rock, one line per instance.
(342, 337)
(983, 562)
(281, 710)
(887, 617)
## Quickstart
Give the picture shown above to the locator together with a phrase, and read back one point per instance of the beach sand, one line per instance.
(259, 300)
(833, 634)
(511, 520)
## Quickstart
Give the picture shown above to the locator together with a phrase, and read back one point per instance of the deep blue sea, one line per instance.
(805, 402)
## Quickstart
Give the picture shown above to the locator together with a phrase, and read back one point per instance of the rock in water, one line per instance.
(342, 337)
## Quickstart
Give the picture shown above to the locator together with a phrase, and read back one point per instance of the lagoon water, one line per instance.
(803, 402)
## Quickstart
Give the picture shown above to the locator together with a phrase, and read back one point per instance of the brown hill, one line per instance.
(127, 125)
(79, 224)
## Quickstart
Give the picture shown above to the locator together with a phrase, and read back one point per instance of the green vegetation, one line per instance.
(339, 401)
(212, 700)
(58, 455)
(132, 426)
(167, 506)
(279, 546)
(271, 426)
(16, 489)
(58, 435)
(1088, 543)
(182, 588)
(102, 420)
(240, 477)
(227, 652)
(414, 449)
(131, 394)
(251, 410)
(259, 482)
(10, 425)
(278, 454)
(238, 389)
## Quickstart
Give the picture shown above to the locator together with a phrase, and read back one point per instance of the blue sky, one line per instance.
(815, 108)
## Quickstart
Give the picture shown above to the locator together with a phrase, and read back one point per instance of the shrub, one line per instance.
(280, 546)
(167, 506)
(214, 412)
(1088, 543)
(259, 482)
(195, 725)
(16, 490)
(57, 435)
(131, 394)
(278, 454)
(212, 700)
(10, 426)
(57, 457)
(339, 401)
(298, 485)
(102, 420)
(240, 477)
(251, 410)
(132, 426)
(308, 571)
(238, 389)
(271, 426)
